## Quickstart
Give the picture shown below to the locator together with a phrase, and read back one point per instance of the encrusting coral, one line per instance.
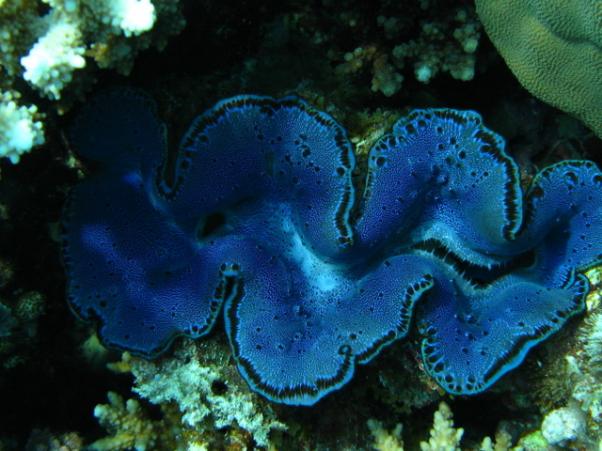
(48, 49)
(205, 391)
(554, 48)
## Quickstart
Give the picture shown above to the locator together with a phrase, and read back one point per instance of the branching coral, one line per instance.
(385, 440)
(45, 440)
(433, 52)
(445, 45)
(444, 437)
(48, 49)
(50, 63)
(20, 128)
(197, 382)
(503, 442)
(128, 424)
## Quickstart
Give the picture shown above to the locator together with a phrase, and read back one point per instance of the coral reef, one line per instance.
(199, 394)
(365, 64)
(554, 48)
(502, 442)
(376, 50)
(19, 326)
(50, 63)
(20, 128)
(564, 425)
(443, 435)
(258, 254)
(130, 426)
(584, 370)
(427, 53)
(44, 440)
(47, 49)
(198, 382)
(572, 415)
(433, 52)
(399, 386)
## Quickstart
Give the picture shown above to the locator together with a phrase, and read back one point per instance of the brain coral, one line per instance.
(258, 215)
(554, 48)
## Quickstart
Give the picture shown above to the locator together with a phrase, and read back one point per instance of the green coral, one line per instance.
(554, 47)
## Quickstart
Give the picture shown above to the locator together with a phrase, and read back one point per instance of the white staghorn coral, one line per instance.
(19, 128)
(50, 63)
(47, 42)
